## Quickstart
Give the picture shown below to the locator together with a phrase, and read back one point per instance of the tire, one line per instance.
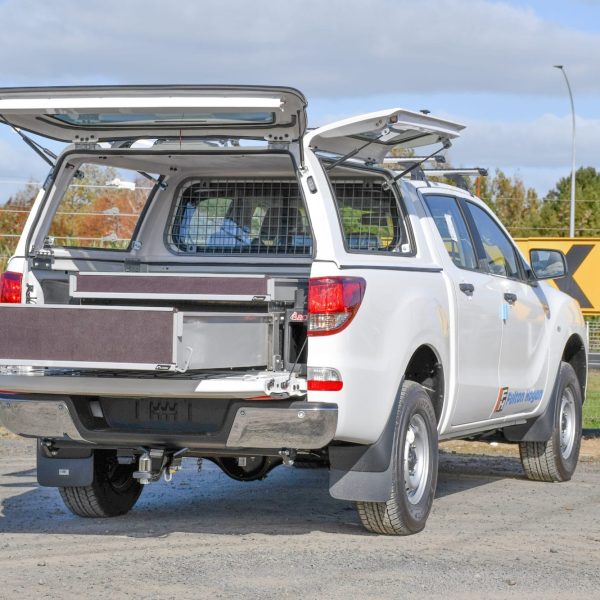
(113, 492)
(556, 459)
(414, 468)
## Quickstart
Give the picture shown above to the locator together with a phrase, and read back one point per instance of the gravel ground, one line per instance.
(491, 534)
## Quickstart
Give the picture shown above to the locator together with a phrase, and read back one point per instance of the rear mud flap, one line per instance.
(364, 473)
(64, 472)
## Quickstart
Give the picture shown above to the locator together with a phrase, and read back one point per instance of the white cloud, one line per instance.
(16, 159)
(337, 49)
(332, 48)
(18, 164)
(541, 143)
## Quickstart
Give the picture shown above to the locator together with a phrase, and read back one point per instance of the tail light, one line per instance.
(323, 379)
(10, 287)
(333, 302)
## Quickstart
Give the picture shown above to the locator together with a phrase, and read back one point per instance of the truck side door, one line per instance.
(478, 331)
(525, 349)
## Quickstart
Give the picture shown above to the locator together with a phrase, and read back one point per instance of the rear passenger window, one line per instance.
(370, 218)
(453, 230)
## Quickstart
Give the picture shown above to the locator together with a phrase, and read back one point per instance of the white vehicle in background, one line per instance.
(254, 294)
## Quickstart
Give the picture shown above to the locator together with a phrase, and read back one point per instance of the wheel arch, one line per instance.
(425, 368)
(575, 354)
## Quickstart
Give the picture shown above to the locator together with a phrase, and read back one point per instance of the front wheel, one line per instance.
(113, 491)
(556, 459)
(414, 464)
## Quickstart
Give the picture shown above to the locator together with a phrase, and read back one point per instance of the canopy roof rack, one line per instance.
(408, 160)
(458, 176)
(466, 172)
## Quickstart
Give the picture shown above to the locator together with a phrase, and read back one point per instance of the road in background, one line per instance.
(492, 534)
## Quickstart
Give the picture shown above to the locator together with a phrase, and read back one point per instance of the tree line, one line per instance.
(525, 214)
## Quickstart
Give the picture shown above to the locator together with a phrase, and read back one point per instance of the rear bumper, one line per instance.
(39, 418)
(243, 425)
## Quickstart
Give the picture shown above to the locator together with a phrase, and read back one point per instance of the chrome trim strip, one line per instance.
(301, 427)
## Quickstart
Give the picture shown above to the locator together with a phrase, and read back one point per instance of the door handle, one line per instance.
(510, 298)
(466, 288)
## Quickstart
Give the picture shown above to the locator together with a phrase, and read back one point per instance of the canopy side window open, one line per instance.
(371, 136)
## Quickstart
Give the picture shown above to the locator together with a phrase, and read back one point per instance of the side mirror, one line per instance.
(548, 264)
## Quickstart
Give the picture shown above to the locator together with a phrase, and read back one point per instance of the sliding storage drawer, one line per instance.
(153, 339)
(88, 337)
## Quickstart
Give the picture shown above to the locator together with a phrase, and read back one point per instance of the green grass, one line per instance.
(591, 406)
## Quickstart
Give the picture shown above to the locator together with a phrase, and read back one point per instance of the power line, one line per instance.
(76, 214)
(74, 185)
(91, 239)
(542, 201)
(533, 228)
(20, 182)
(77, 237)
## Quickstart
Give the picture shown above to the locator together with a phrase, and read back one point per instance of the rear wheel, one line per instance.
(414, 464)
(556, 459)
(113, 492)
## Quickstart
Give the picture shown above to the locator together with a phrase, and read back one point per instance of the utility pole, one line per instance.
(572, 213)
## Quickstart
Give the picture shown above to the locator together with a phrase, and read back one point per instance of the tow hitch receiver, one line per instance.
(155, 462)
(288, 457)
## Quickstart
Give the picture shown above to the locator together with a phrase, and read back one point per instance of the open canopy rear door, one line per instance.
(110, 113)
(371, 136)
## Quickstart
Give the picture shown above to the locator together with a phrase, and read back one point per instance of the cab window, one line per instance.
(453, 229)
(500, 255)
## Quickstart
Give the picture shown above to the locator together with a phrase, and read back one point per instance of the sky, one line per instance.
(486, 64)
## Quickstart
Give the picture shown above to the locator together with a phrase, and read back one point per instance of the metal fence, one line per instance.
(593, 327)
(591, 408)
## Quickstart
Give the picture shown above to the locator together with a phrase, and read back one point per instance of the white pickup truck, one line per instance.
(203, 276)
